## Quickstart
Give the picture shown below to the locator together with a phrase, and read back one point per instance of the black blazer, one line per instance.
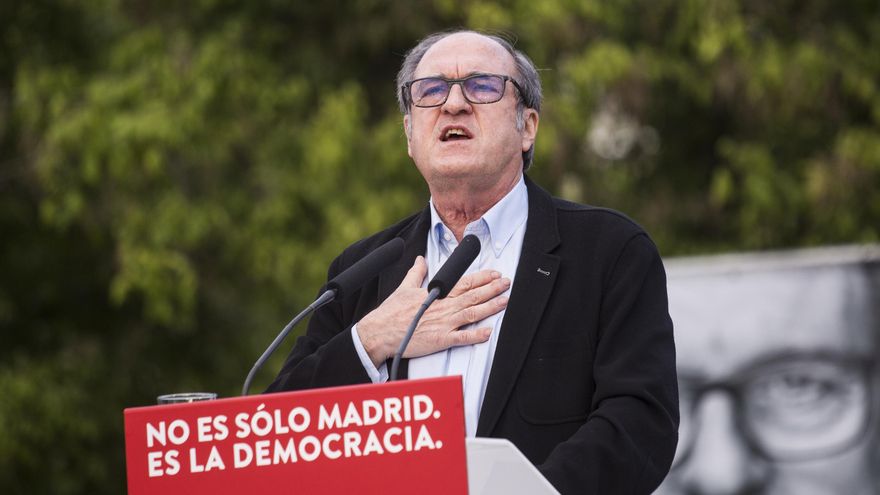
(583, 379)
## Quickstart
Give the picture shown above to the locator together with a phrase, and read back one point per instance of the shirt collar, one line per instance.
(502, 220)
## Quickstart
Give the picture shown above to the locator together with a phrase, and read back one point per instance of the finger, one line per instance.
(473, 314)
(469, 337)
(474, 280)
(480, 294)
(416, 274)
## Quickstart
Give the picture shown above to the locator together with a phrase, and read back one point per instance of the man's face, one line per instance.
(490, 150)
(775, 392)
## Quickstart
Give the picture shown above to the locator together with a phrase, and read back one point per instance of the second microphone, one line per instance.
(439, 287)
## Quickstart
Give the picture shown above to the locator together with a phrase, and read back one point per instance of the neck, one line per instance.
(460, 206)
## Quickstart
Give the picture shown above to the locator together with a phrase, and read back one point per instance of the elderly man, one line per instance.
(778, 369)
(560, 328)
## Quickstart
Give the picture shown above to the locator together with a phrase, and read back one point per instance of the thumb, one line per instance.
(416, 274)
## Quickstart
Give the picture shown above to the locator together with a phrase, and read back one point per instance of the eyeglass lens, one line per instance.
(790, 410)
(433, 91)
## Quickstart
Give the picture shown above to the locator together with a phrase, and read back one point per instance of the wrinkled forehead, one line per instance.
(727, 320)
(461, 54)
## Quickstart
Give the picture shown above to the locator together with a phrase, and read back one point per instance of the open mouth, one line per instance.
(453, 133)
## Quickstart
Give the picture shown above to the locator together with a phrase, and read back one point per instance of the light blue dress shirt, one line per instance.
(501, 232)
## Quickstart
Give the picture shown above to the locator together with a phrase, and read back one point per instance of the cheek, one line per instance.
(503, 137)
(421, 132)
(849, 472)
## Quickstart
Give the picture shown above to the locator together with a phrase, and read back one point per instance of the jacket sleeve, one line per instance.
(628, 441)
(325, 356)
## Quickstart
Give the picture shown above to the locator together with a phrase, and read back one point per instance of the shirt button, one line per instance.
(447, 236)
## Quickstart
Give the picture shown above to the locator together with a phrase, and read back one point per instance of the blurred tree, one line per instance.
(175, 177)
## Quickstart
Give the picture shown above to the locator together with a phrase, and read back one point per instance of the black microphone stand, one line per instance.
(324, 298)
(432, 296)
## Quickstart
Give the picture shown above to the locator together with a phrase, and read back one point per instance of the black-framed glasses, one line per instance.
(429, 92)
(790, 408)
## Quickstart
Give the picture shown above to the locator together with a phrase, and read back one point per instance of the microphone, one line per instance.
(454, 268)
(439, 287)
(368, 267)
(339, 287)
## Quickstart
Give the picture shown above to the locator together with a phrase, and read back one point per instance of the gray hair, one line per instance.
(526, 76)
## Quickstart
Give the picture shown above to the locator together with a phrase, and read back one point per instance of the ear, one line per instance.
(530, 128)
(407, 129)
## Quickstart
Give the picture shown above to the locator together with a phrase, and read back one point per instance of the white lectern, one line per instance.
(496, 467)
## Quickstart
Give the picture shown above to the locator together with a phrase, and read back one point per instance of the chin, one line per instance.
(455, 169)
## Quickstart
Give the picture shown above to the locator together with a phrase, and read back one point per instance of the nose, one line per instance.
(456, 102)
(720, 461)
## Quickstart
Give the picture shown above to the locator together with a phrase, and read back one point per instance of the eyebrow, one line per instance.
(816, 354)
(690, 373)
(469, 74)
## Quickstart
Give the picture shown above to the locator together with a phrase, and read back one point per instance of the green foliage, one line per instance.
(175, 177)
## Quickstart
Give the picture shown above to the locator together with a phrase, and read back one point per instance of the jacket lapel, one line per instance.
(415, 236)
(535, 278)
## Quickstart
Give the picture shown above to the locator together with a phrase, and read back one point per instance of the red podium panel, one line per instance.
(400, 437)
